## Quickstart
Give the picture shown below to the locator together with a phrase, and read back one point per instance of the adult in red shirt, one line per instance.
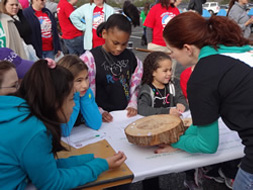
(72, 37)
(157, 18)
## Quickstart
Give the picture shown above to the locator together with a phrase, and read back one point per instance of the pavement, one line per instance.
(172, 181)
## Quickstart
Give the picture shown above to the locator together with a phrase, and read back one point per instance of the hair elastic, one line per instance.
(128, 18)
(50, 63)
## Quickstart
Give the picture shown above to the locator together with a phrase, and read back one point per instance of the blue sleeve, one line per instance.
(74, 161)
(67, 127)
(199, 139)
(39, 163)
(90, 111)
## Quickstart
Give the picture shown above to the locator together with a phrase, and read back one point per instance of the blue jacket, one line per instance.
(25, 153)
(89, 110)
(29, 13)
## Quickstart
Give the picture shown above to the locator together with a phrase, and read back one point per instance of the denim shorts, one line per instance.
(243, 180)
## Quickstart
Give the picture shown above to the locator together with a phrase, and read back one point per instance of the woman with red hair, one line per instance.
(221, 84)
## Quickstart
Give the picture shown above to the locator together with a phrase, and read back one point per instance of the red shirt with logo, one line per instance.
(157, 19)
(98, 18)
(69, 31)
(46, 30)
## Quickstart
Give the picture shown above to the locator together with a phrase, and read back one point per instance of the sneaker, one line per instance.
(206, 169)
(191, 185)
(198, 176)
(228, 181)
(213, 174)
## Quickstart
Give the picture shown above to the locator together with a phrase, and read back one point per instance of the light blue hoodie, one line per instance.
(82, 19)
(25, 153)
(89, 110)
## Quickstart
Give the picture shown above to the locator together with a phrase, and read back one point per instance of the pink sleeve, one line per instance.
(89, 60)
(135, 84)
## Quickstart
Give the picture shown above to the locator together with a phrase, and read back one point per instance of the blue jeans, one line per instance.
(75, 45)
(243, 180)
(49, 54)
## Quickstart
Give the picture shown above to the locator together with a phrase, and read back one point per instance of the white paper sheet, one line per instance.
(81, 136)
(142, 161)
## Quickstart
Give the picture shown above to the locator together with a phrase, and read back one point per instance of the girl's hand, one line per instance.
(250, 21)
(116, 160)
(174, 111)
(131, 112)
(163, 148)
(107, 117)
(180, 108)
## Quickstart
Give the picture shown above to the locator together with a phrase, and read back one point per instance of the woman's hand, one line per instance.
(131, 112)
(116, 160)
(107, 117)
(163, 148)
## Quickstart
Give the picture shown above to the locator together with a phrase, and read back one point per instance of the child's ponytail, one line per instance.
(45, 88)
(100, 28)
(224, 31)
(122, 21)
(132, 13)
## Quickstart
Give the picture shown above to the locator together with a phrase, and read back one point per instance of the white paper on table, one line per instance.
(81, 136)
(119, 116)
(186, 114)
(145, 164)
(120, 121)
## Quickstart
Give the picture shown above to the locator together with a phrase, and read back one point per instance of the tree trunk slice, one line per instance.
(155, 130)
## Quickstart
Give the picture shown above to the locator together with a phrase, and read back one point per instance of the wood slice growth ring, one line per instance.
(155, 130)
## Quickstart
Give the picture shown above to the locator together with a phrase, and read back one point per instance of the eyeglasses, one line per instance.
(16, 85)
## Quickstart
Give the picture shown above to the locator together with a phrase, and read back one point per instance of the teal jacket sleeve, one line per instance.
(199, 139)
(42, 169)
(90, 111)
(67, 127)
(74, 161)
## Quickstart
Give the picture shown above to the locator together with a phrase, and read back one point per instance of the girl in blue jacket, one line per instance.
(85, 109)
(30, 134)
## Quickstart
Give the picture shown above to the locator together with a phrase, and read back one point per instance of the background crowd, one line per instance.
(45, 93)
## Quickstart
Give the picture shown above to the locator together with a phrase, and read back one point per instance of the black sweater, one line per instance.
(23, 27)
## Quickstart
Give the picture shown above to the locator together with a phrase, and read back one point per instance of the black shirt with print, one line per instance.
(113, 78)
